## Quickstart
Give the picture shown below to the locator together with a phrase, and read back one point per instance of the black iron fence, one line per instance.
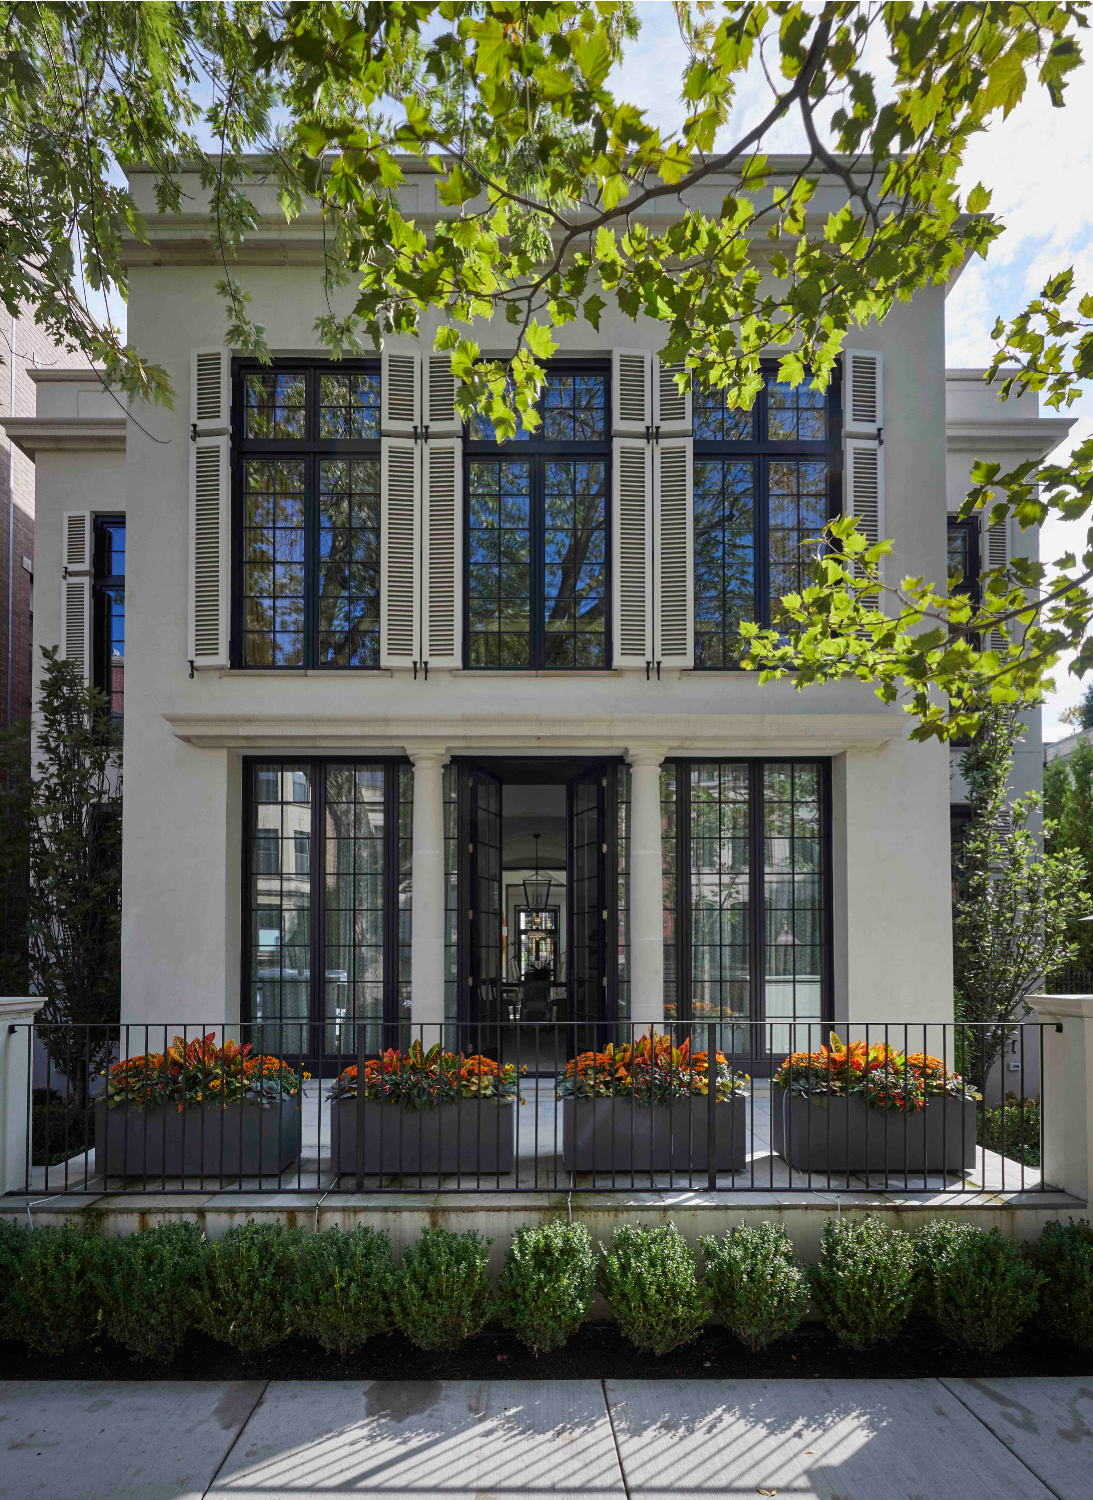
(533, 1107)
(1071, 982)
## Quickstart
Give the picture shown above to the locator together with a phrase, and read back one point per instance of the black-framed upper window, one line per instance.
(536, 531)
(108, 607)
(307, 477)
(766, 481)
(964, 562)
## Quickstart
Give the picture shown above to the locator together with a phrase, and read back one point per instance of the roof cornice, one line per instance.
(34, 435)
(1033, 436)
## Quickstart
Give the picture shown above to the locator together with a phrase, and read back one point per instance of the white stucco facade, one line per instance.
(188, 734)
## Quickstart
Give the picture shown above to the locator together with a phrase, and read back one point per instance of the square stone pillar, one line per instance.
(1066, 1088)
(428, 890)
(646, 887)
(16, 1057)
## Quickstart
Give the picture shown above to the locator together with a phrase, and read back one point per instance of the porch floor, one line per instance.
(993, 1179)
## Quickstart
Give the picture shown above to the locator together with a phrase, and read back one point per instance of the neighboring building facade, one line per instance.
(371, 656)
(1063, 749)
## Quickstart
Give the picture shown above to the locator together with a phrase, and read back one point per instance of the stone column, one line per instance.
(1066, 1088)
(427, 882)
(646, 887)
(15, 1049)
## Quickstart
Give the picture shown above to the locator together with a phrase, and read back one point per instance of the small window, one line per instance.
(963, 557)
(108, 624)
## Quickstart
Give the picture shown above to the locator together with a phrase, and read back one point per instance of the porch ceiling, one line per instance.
(715, 734)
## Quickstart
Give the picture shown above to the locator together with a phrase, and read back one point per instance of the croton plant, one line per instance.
(652, 1071)
(880, 1075)
(424, 1080)
(200, 1072)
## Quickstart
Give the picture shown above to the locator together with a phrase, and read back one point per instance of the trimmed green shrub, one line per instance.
(650, 1279)
(975, 1284)
(441, 1294)
(756, 1283)
(344, 1291)
(56, 1300)
(863, 1287)
(14, 1243)
(1064, 1257)
(250, 1284)
(154, 1288)
(548, 1284)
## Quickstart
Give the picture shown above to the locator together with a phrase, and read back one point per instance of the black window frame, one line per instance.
(311, 449)
(971, 583)
(762, 449)
(756, 885)
(534, 447)
(104, 582)
(395, 1018)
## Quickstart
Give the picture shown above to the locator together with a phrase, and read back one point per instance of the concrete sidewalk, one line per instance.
(640, 1440)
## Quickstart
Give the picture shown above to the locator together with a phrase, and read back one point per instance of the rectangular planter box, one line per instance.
(165, 1141)
(475, 1135)
(848, 1135)
(601, 1135)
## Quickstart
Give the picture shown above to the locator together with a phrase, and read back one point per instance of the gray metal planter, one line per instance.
(208, 1140)
(474, 1135)
(604, 1135)
(848, 1135)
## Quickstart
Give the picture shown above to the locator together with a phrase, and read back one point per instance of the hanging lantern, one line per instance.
(537, 887)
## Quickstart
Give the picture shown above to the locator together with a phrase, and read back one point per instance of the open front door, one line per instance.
(481, 915)
(593, 915)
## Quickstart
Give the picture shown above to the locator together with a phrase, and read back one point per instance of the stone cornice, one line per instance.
(33, 435)
(1032, 436)
(677, 734)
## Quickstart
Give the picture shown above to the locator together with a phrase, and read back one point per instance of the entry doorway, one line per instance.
(541, 978)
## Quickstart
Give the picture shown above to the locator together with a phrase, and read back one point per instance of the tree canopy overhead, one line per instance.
(549, 180)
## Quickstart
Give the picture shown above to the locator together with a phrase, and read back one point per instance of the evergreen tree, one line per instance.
(1015, 902)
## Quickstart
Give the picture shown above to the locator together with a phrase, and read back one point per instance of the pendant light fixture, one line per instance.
(537, 888)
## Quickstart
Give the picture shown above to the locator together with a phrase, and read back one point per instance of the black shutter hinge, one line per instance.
(880, 437)
(193, 432)
(191, 671)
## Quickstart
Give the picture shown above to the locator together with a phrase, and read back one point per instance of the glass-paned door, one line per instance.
(793, 904)
(537, 939)
(480, 964)
(592, 895)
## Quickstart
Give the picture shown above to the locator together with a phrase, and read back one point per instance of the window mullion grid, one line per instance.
(390, 888)
(684, 904)
(757, 903)
(761, 560)
(537, 569)
(316, 988)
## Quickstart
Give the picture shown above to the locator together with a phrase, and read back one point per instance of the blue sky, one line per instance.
(1039, 165)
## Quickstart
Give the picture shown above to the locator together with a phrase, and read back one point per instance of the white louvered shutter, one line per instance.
(76, 589)
(210, 552)
(631, 392)
(671, 408)
(997, 553)
(632, 552)
(400, 546)
(400, 394)
(442, 552)
(865, 488)
(210, 390)
(673, 553)
(863, 391)
(438, 396)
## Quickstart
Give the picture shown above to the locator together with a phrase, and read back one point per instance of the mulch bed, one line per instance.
(598, 1352)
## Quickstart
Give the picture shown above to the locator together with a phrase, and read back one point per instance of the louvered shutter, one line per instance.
(631, 391)
(76, 589)
(865, 488)
(438, 396)
(673, 553)
(210, 552)
(631, 552)
(400, 394)
(671, 408)
(997, 552)
(400, 532)
(442, 552)
(863, 391)
(210, 390)
(76, 623)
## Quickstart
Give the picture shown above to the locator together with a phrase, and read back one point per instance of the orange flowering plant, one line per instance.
(200, 1072)
(652, 1071)
(878, 1074)
(424, 1080)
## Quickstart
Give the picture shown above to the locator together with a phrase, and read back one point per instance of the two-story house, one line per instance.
(410, 712)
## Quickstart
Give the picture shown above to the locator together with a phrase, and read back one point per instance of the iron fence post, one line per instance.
(711, 1107)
